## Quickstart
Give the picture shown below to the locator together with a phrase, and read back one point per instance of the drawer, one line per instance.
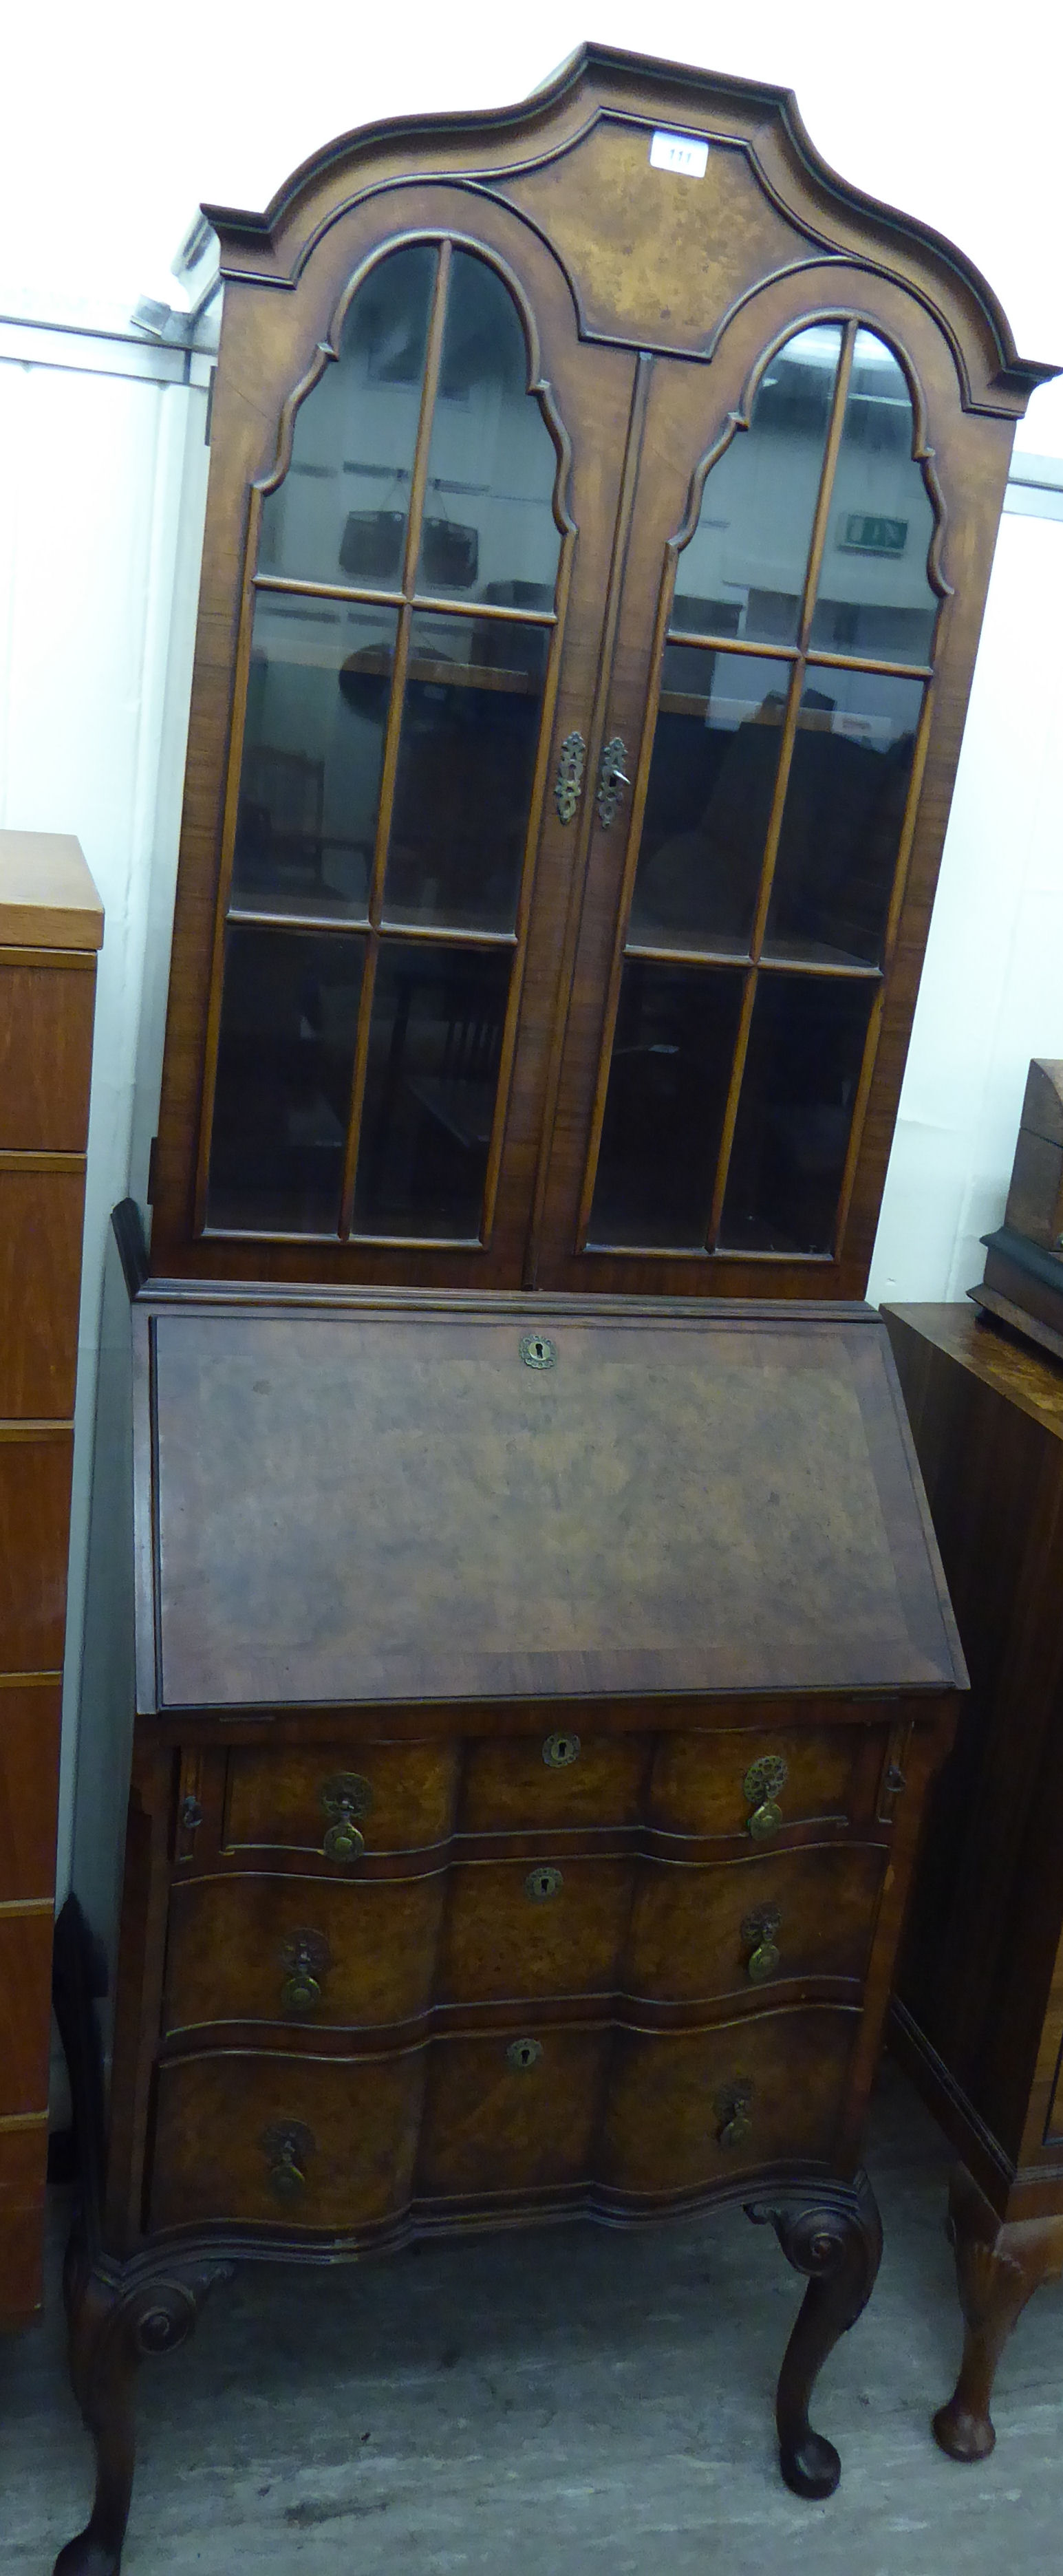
(550, 1927)
(513, 2113)
(34, 1529)
(687, 2110)
(702, 1930)
(29, 1779)
(46, 1054)
(289, 2142)
(23, 2158)
(297, 1950)
(25, 2009)
(40, 1275)
(397, 1797)
(723, 1782)
(560, 1778)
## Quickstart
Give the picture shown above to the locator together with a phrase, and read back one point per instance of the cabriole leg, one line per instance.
(837, 2240)
(999, 2265)
(112, 2324)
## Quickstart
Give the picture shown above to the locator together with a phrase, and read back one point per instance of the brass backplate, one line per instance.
(764, 1779)
(561, 1749)
(523, 2054)
(542, 1883)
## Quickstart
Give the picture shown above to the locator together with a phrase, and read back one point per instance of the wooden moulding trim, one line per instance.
(11, 2120)
(30, 1681)
(83, 960)
(27, 1905)
(250, 242)
(31, 1161)
(32, 1431)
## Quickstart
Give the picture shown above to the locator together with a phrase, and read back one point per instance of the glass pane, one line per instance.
(289, 1018)
(489, 529)
(435, 1045)
(874, 594)
(317, 700)
(806, 1045)
(841, 825)
(340, 513)
(715, 755)
(743, 572)
(470, 734)
(668, 1078)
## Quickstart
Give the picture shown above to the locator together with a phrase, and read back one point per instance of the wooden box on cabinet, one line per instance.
(601, 507)
(51, 926)
(978, 2018)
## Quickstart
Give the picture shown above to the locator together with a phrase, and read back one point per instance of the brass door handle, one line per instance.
(612, 779)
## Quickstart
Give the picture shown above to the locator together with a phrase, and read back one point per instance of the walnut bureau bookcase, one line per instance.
(541, 1648)
(51, 927)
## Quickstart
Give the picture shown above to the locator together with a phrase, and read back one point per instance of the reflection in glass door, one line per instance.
(404, 609)
(775, 795)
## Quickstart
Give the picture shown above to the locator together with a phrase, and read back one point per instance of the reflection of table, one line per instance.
(979, 2015)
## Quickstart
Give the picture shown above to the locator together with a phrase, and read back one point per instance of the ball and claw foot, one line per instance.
(836, 2240)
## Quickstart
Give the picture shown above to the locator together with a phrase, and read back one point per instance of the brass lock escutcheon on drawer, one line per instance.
(523, 2054)
(761, 1788)
(287, 2146)
(542, 1883)
(344, 1797)
(732, 2107)
(758, 1938)
(559, 1750)
(305, 1958)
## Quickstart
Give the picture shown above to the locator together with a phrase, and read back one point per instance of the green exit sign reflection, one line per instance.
(864, 536)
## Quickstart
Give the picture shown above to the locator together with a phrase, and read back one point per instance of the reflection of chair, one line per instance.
(280, 823)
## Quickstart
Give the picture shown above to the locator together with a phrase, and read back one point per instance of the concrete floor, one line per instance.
(559, 2404)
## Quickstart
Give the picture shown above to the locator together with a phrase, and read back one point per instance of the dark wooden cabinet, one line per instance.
(540, 1658)
(979, 2010)
(51, 927)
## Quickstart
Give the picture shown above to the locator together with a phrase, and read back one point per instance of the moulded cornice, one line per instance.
(762, 120)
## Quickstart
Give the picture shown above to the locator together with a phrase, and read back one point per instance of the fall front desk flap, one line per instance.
(445, 1500)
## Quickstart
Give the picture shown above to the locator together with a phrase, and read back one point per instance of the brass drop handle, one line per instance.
(344, 1796)
(761, 1788)
(305, 1956)
(612, 779)
(758, 1935)
(732, 2108)
(287, 2147)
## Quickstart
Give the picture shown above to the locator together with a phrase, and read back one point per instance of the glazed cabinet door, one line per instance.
(428, 546)
(765, 737)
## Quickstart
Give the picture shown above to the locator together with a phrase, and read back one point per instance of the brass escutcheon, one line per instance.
(569, 778)
(758, 1931)
(760, 1789)
(524, 2054)
(560, 1750)
(732, 2108)
(345, 1795)
(306, 1956)
(537, 1350)
(287, 2147)
(542, 1883)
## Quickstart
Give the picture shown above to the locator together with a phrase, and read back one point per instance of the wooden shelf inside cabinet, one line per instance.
(51, 927)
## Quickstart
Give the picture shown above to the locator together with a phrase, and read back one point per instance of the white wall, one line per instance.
(110, 134)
